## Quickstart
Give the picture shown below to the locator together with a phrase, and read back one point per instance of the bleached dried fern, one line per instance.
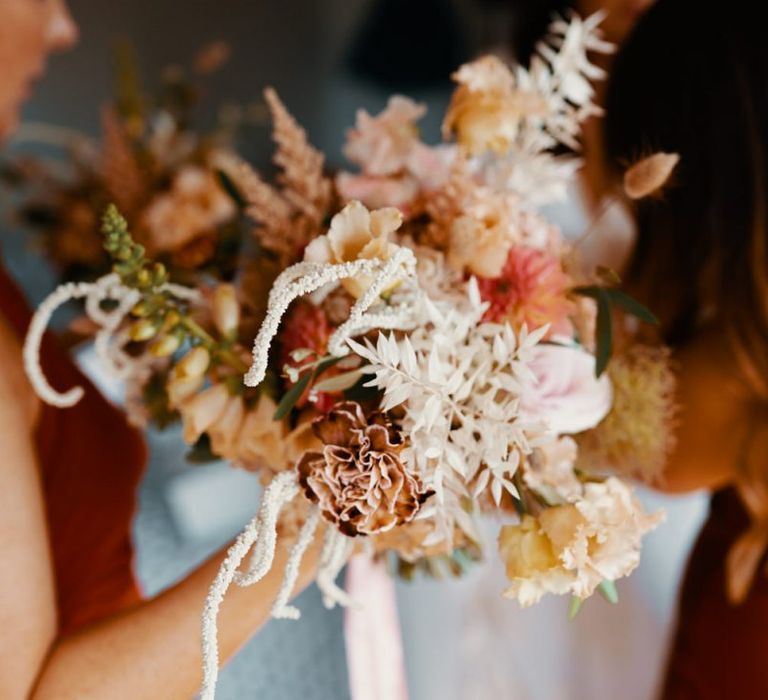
(269, 210)
(291, 215)
(302, 166)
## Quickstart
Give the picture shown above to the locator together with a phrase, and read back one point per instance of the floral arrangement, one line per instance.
(153, 160)
(411, 348)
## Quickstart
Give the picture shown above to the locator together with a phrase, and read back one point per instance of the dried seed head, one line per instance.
(649, 175)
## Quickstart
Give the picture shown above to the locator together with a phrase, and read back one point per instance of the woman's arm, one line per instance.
(716, 416)
(153, 651)
(27, 594)
(150, 651)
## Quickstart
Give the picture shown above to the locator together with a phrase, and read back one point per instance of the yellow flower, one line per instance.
(181, 389)
(193, 364)
(532, 566)
(357, 234)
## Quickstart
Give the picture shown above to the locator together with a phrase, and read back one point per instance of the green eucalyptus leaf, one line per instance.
(604, 334)
(291, 397)
(340, 382)
(630, 305)
(575, 606)
(608, 591)
(327, 363)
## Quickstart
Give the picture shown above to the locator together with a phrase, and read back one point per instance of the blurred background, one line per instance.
(326, 58)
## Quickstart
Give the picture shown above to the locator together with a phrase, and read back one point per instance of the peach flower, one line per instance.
(573, 548)
(356, 233)
(486, 109)
(481, 237)
(195, 205)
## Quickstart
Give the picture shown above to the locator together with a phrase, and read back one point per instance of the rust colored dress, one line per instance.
(90, 462)
(720, 651)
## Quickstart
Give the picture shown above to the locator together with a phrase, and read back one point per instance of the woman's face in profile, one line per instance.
(621, 15)
(29, 31)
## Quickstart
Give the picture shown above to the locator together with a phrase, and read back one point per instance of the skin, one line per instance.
(152, 650)
(721, 423)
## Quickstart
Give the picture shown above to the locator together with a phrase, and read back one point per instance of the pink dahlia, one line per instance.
(532, 290)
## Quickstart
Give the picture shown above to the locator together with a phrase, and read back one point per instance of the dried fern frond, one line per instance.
(266, 205)
(302, 166)
(120, 169)
(291, 216)
(638, 434)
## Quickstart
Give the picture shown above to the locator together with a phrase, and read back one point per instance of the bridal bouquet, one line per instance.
(411, 347)
(153, 160)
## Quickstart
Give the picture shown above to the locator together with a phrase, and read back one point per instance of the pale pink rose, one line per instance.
(566, 394)
(381, 145)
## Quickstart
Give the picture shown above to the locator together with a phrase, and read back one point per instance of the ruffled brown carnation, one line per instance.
(358, 480)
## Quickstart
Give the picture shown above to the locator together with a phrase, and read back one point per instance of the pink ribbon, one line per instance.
(375, 661)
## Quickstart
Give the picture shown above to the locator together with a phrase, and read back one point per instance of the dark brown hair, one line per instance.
(693, 79)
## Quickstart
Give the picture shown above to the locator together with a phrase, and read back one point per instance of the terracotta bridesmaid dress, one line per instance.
(720, 651)
(91, 462)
